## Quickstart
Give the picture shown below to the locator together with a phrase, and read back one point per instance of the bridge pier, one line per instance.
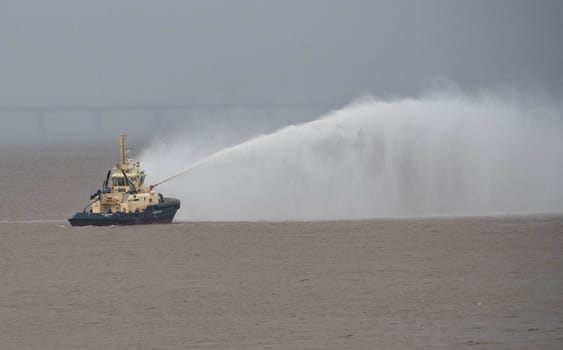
(41, 121)
(156, 121)
(99, 121)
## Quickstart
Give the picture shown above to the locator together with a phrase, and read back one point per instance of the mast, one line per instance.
(123, 164)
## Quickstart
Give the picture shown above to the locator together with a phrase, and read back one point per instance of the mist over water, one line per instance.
(442, 154)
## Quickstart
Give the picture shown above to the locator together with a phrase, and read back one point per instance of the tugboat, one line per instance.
(124, 200)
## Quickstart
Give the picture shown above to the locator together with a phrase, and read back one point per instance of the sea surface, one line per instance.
(430, 283)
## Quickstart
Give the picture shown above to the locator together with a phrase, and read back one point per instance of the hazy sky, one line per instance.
(133, 51)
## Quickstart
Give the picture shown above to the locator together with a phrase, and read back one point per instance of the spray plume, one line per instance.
(437, 155)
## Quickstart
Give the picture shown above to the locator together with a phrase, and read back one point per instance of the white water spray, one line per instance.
(438, 155)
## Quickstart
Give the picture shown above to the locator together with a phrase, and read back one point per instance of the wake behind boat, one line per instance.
(125, 200)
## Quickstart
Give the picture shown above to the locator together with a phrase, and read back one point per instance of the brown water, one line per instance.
(493, 282)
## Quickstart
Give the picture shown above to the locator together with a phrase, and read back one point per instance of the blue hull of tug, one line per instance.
(162, 213)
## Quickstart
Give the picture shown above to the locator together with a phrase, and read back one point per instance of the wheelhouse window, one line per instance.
(118, 181)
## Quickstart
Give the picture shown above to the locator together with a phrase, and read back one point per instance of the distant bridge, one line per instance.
(157, 110)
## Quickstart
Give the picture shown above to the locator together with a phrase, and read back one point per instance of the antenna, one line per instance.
(124, 162)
